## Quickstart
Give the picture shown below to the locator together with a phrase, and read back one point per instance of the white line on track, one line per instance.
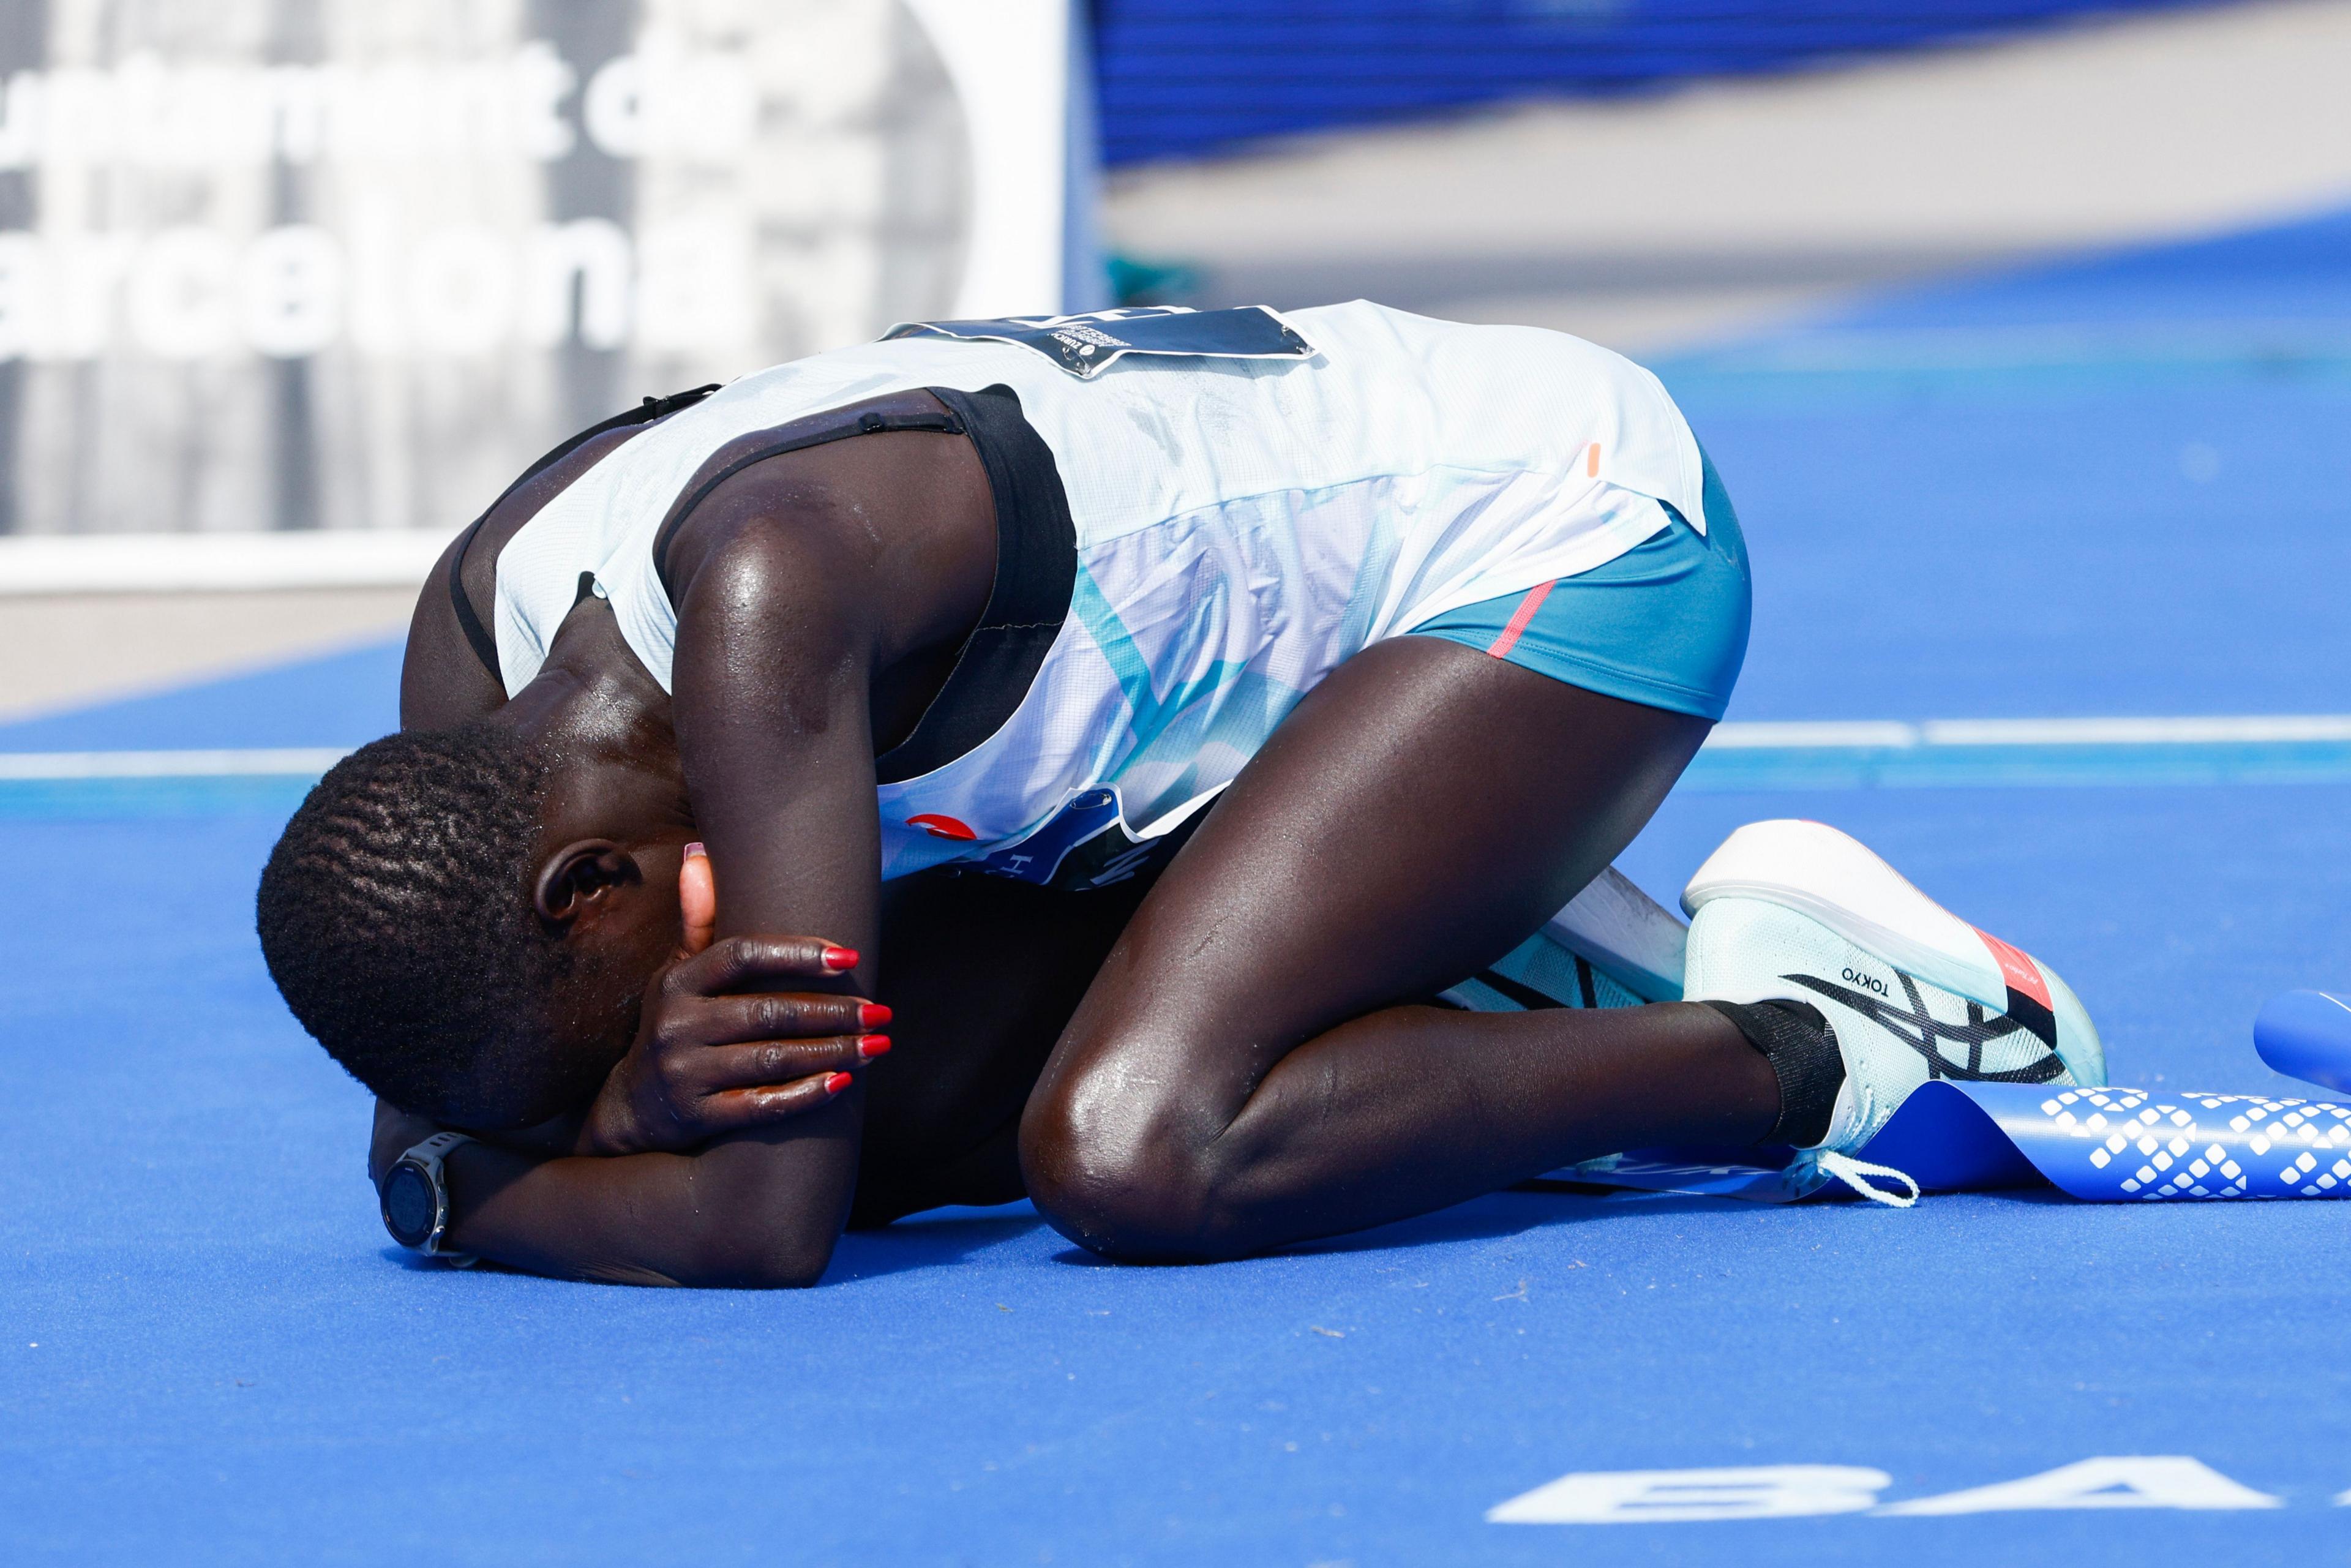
(1808, 735)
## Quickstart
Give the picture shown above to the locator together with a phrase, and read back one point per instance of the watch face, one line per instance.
(408, 1206)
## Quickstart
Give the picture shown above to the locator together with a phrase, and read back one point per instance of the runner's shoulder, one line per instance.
(450, 673)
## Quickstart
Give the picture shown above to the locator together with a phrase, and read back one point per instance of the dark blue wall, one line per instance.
(1181, 77)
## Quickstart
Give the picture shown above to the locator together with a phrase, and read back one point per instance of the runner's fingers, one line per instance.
(784, 1061)
(732, 1109)
(774, 1015)
(739, 961)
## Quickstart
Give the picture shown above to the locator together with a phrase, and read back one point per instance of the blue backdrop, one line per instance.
(1181, 77)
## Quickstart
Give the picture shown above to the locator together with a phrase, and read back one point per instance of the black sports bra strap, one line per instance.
(485, 645)
(645, 412)
(483, 642)
(817, 429)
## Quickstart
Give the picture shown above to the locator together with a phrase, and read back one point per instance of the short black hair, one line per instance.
(396, 916)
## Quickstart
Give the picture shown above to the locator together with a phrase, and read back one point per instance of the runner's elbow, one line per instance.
(747, 1231)
(769, 1256)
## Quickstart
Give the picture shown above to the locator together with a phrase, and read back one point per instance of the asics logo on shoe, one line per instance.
(1928, 1035)
(1868, 982)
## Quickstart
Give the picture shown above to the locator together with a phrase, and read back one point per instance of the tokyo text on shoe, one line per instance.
(1796, 911)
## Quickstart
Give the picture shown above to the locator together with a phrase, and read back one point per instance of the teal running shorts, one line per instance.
(1664, 624)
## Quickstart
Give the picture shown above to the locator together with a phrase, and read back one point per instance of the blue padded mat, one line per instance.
(217, 1358)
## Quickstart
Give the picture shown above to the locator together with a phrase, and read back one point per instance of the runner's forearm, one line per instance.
(751, 1213)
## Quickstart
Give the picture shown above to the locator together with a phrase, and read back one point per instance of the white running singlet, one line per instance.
(1242, 527)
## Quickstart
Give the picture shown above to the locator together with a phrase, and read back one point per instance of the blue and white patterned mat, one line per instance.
(2100, 1145)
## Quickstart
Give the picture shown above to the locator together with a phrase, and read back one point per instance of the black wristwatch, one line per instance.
(415, 1198)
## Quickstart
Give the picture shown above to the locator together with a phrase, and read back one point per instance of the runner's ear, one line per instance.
(580, 876)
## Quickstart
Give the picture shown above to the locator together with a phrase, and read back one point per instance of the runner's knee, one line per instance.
(1128, 1173)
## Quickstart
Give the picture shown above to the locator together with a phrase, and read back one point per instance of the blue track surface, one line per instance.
(216, 1358)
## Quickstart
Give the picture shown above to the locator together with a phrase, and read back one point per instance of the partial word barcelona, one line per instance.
(191, 293)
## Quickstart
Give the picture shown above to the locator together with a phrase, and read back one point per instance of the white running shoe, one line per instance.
(1796, 911)
(1611, 947)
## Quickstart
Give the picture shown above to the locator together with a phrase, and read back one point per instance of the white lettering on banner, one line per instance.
(596, 252)
(81, 288)
(1794, 1491)
(22, 309)
(20, 108)
(178, 300)
(190, 293)
(461, 290)
(542, 80)
(665, 97)
(465, 231)
(293, 291)
(694, 285)
(2146, 1480)
(1643, 1497)
(378, 325)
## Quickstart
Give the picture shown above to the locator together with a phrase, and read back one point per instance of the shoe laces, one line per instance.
(1860, 1175)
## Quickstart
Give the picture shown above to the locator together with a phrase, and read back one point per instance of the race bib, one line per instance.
(1083, 345)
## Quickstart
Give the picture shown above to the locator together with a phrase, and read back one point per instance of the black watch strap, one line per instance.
(414, 1196)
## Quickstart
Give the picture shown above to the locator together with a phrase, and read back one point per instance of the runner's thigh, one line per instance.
(1420, 812)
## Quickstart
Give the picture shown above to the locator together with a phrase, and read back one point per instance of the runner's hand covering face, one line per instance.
(723, 1044)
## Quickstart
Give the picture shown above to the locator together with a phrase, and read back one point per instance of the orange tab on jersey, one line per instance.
(2028, 992)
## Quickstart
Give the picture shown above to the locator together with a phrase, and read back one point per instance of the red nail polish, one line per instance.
(838, 959)
(873, 1045)
(837, 1082)
(872, 1015)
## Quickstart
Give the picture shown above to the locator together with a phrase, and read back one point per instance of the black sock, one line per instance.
(1803, 1050)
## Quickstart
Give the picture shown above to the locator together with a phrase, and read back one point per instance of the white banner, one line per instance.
(275, 264)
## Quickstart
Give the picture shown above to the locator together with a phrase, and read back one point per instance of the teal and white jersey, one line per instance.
(1242, 525)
